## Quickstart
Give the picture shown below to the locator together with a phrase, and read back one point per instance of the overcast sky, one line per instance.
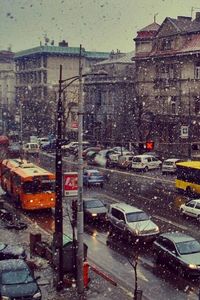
(99, 25)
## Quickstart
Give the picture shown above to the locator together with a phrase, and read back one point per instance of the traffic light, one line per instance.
(149, 145)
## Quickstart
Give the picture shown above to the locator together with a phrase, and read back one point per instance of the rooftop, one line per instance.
(57, 50)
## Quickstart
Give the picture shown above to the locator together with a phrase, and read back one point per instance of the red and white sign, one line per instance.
(70, 184)
(74, 125)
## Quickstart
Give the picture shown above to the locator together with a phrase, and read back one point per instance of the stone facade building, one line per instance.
(37, 76)
(109, 100)
(167, 63)
(7, 91)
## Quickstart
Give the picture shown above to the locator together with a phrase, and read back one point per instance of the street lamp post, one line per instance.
(58, 234)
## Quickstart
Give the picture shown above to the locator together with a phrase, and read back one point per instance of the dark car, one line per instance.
(179, 251)
(11, 251)
(94, 210)
(88, 149)
(50, 147)
(14, 150)
(17, 281)
(93, 177)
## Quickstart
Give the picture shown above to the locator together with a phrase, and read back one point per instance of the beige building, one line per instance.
(7, 91)
(37, 76)
(167, 59)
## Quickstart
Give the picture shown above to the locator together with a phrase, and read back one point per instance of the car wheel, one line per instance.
(180, 271)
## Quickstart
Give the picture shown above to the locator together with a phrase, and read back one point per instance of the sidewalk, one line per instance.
(99, 288)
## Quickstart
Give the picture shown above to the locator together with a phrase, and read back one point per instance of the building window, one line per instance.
(197, 105)
(99, 98)
(174, 105)
(197, 71)
(166, 44)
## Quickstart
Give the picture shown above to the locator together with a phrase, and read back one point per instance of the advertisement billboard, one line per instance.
(70, 184)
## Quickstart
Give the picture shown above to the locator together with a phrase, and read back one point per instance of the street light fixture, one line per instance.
(58, 234)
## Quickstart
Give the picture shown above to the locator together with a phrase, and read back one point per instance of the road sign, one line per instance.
(70, 184)
(184, 132)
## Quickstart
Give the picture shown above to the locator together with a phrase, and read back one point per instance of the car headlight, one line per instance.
(193, 266)
(94, 215)
(37, 295)
(5, 298)
(157, 229)
(136, 231)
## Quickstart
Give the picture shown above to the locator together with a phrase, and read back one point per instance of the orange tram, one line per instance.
(29, 185)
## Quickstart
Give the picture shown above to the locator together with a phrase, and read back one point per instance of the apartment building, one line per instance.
(167, 62)
(37, 77)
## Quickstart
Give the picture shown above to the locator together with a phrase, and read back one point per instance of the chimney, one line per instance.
(63, 44)
(197, 16)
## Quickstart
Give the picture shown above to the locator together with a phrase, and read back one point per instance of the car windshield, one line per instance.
(137, 216)
(16, 277)
(2, 246)
(136, 159)
(93, 204)
(168, 163)
(188, 247)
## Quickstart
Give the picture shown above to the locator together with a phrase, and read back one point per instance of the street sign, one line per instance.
(74, 125)
(70, 184)
(184, 132)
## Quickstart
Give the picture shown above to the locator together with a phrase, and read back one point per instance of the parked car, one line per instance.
(179, 251)
(191, 208)
(72, 145)
(31, 148)
(169, 165)
(125, 161)
(17, 281)
(113, 159)
(92, 177)
(145, 162)
(132, 222)
(49, 147)
(14, 150)
(90, 157)
(94, 149)
(11, 251)
(120, 150)
(43, 141)
(101, 159)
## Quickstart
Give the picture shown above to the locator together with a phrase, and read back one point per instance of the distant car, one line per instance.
(31, 148)
(49, 147)
(179, 251)
(94, 210)
(43, 141)
(191, 208)
(73, 145)
(120, 150)
(11, 251)
(125, 161)
(92, 177)
(145, 162)
(132, 222)
(14, 150)
(17, 281)
(94, 149)
(102, 157)
(169, 165)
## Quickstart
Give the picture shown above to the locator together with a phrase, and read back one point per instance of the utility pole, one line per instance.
(21, 122)
(189, 127)
(80, 254)
(58, 234)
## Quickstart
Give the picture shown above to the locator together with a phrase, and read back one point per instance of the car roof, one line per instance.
(177, 237)
(92, 170)
(172, 159)
(125, 207)
(91, 199)
(195, 200)
(12, 264)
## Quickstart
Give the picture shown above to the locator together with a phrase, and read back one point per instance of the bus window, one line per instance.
(31, 187)
(48, 185)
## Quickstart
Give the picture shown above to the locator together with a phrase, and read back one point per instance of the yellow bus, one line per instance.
(29, 185)
(188, 177)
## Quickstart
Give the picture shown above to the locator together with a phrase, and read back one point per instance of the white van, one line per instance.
(43, 141)
(73, 145)
(145, 162)
(31, 148)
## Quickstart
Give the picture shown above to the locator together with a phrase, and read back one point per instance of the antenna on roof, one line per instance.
(154, 17)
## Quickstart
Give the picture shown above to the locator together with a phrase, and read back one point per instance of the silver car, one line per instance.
(169, 165)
